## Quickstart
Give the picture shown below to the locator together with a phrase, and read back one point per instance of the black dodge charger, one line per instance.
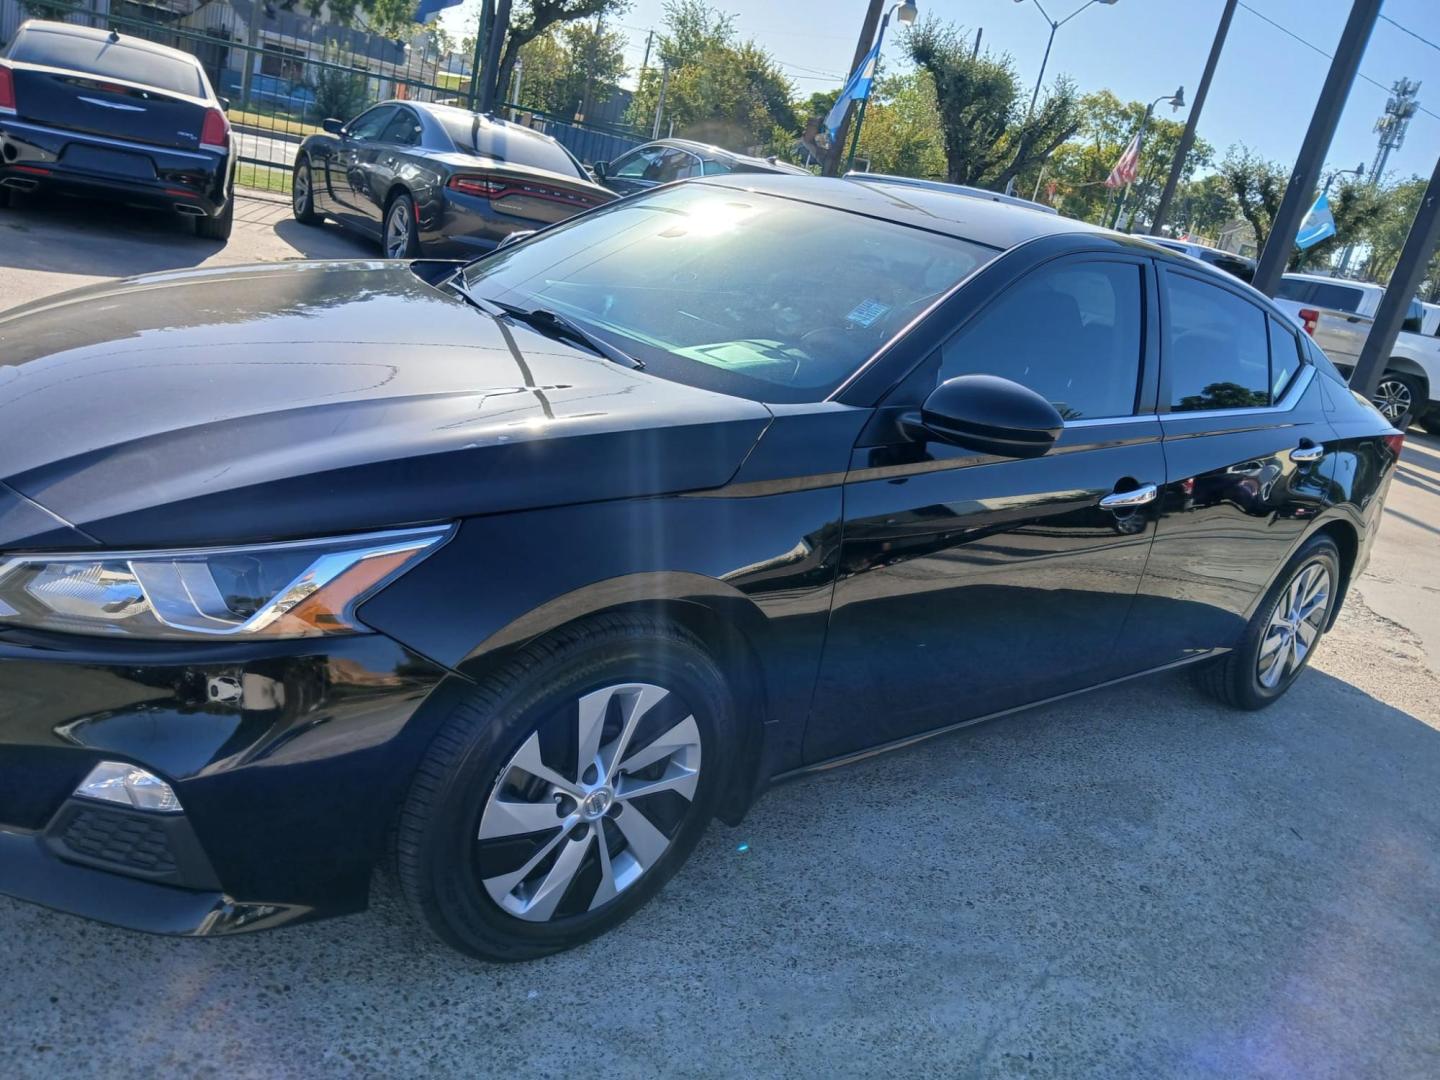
(512, 575)
(94, 113)
(437, 180)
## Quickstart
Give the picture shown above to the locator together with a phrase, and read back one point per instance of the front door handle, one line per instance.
(1303, 454)
(1127, 500)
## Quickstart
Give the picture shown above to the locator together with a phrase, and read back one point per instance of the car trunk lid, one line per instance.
(94, 105)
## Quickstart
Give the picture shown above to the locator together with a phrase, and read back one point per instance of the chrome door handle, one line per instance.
(1125, 500)
(1303, 454)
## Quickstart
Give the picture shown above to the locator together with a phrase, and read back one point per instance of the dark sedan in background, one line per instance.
(666, 160)
(96, 113)
(516, 573)
(438, 180)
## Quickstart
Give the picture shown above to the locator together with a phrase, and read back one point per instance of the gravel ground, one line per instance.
(1133, 883)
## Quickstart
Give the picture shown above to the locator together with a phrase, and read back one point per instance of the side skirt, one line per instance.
(911, 740)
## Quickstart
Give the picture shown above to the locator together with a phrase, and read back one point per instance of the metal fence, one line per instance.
(284, 72)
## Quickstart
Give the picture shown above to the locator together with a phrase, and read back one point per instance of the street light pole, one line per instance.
(1177, 100)
(1187, 139)
(1299, 192)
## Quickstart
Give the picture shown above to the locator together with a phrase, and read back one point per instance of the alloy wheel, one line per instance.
(397, 230)
(1295, 625)
(300, 189)
(590, 802)
(1393, 399)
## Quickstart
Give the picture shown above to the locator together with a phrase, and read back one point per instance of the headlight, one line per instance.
(301, 589)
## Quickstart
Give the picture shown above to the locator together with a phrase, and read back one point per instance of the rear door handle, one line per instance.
(1303, 454)
(1125, 500)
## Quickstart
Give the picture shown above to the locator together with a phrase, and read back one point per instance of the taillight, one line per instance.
(1395, 442)
(215, 134)
(7, 90)
(482, 186)
(1309, 316)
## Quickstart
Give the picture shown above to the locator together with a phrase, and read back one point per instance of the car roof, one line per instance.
(131, 42)
(709, 150)
(1331, 280)
(958, 189)
(963, 216)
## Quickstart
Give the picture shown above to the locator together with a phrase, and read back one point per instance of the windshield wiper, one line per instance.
(553, 324)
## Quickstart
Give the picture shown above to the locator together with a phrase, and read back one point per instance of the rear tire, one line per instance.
(1245, 677)
(4, 197)
(302, 193)
(400, 235)
(491, 801)
(1397, 396)
(219, 226)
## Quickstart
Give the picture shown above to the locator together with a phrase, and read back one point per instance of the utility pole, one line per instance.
(490, 87)
(1188, 138)
(660, 105)
(1303, 179)
(1391, 126)
(482, 49)
(587, 99)
(1414, 257)
(645, 64)
(836, 153)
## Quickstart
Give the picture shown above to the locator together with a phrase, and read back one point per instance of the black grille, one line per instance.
(122, 839)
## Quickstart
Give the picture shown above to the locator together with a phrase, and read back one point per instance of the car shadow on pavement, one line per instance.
(1133, 882)
(326, 240)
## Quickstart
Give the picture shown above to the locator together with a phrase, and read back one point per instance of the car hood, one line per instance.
(302, 399)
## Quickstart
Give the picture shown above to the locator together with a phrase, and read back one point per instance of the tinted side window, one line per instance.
(1070, 333)
(640, 165)
(403, 129)
(1217, 352)
(717, 168)
(369, 125)
(678, 165)
(1284, 357)
(1336, 297)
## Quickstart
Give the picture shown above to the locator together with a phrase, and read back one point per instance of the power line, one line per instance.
(1311, 45)
(1412, 33)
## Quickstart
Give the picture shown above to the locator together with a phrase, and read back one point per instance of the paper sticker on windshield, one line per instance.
(866, 312)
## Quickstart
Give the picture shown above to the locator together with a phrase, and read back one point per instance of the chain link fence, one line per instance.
(283, 72)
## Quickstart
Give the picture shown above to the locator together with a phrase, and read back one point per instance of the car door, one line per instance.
(970, 584)
(635, 171)
(1245, 438)
(349, 169)
(385, 160)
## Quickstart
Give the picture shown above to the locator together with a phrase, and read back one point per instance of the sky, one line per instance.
(1264, 90)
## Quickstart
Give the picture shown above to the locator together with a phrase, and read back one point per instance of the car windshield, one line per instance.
(111, 59)
(499, 141)
(749, 294)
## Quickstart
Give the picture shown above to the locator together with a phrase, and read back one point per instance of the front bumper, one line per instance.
(289, 759)
(36, 156)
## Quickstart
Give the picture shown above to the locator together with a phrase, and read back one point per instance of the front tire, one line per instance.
(402, 231)
(1397, 396)
(567, 789)
(1282, 635)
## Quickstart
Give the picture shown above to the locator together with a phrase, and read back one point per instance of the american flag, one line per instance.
(1127, 167)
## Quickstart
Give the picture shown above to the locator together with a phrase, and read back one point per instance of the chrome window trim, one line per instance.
(106, 140)
(1097, 421)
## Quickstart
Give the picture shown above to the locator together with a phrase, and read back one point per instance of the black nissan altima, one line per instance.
(512, 575)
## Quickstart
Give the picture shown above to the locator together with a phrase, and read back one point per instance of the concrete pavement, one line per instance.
(1135, 883)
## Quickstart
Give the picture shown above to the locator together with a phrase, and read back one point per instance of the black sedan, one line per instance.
(667, 160)
(515, 574)
(437, 180)
(97, 113)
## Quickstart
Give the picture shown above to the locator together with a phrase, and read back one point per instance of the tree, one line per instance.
(1357, 208)
(1386, 234)
(721, 90)
(389, 18)
(339, 92)
(564, 65)
(1204, 207)
(1080, 166)
(1257, 186)
(902, 133)
(990, 134)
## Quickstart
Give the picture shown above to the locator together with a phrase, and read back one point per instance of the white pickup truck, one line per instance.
(1338, 314)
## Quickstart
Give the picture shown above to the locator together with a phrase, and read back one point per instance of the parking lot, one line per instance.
(1135, 882)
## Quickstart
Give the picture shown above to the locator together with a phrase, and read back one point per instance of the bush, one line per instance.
(338, 93)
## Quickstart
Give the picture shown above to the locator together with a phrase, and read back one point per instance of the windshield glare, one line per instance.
(745, 293)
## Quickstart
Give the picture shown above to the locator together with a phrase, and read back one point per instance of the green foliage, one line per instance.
(339, 94)
(1386, 235)
(43, 9)
(902, 133)
(721, 90)
(1079, 167)
(1257, 186)
(1357, 209)
(989, 133)
(1203, 207)
(562, 64)
(389, 18)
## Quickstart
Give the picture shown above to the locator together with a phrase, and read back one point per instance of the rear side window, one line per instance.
(1070, 333)
(1217, 349)
(110, 59)
(1326, 294)
(403, 130)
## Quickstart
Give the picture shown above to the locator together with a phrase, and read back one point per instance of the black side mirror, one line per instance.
(988, 414)
(224, 104)
(333, 126)
(600, 168)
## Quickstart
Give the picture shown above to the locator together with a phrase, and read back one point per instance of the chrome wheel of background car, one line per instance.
(1295, 625)
(558, 839)
(397, 230)
(300, 189)
(1394, 399)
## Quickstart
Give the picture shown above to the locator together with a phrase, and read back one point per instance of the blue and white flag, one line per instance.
(426, 8)
(1318, 225)
(857, 89)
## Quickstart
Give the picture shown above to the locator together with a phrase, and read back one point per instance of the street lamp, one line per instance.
(904, 12)
(1358, 172)
(1176, 102)
(1053, 27)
